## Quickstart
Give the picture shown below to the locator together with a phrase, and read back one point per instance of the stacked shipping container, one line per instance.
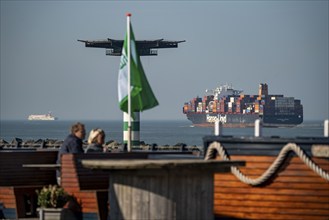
(262, 104)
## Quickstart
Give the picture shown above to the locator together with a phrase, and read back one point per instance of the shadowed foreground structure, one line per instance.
(298, 188)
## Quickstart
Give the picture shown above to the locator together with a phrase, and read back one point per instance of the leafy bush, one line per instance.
(52, 196)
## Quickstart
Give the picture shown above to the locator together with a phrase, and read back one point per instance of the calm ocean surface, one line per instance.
(160, 132)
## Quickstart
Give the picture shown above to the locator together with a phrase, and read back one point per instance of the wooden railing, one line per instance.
(18, 184)
(24, 172)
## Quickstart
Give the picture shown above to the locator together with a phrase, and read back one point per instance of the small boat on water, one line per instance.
(284, 178)
(45, 117)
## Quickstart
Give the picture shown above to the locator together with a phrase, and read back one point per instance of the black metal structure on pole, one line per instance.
(144, 47)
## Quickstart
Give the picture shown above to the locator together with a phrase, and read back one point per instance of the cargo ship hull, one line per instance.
(227, 120)
(282, 120)
(244, 120)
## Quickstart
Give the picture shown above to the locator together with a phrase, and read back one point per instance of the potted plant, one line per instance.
(51, 200)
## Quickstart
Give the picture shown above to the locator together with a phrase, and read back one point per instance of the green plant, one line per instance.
(52, 196)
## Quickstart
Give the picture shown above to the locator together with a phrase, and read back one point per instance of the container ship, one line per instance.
(45, 117)
(235, 109)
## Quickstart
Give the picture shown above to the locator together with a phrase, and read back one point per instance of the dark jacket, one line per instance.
(72, 145)
(94, 148)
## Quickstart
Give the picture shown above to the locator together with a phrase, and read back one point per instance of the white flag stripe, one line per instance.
(123, 76)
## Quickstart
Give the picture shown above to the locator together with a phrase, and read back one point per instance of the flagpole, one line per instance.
(129, 84)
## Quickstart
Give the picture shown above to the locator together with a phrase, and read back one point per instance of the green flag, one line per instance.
(142, 97)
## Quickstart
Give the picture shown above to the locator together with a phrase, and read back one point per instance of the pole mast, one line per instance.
(129, 84)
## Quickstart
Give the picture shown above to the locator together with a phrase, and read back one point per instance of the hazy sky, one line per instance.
(44, 68)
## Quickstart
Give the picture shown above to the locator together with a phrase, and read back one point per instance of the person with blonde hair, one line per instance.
(96, 141)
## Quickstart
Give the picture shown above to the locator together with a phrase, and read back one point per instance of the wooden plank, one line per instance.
(156, 187)
(272, 158)
(266, 191)
(206, 192)
(159, 164)
(250, 160)
(70, 175)
(6, 197)
(270, 197)
(222, 203)
(287, 172)
(276, 210)
(274, 185)
(91, 206)
(269, 216)
(140, 207)
(86, 194)
(292, 166)
(42, 166)
(280, 178)
(258, 172)
(264, 162)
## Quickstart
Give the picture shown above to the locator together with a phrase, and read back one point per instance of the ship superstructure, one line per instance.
(235, 109)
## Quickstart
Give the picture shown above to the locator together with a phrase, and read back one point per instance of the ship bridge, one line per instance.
(144, 47)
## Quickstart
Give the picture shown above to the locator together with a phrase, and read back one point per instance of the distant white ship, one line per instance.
(46, 117)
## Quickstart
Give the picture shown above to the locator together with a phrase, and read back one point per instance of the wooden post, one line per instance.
(258, 128)
(161, 189)
(161, 195)
(218, 128)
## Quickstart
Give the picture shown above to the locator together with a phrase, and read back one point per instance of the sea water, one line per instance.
(159, 132)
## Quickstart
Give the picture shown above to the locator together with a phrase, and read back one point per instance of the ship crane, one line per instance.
(224, 90)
